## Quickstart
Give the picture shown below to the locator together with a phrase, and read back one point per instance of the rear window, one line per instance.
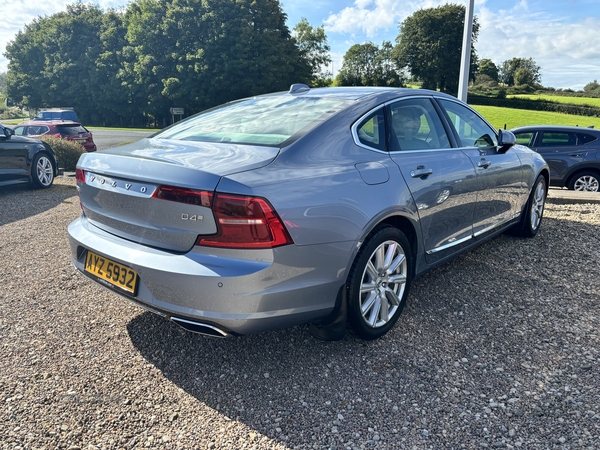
(585, 139)
(257, 121)
(57, 115)
(71, 129)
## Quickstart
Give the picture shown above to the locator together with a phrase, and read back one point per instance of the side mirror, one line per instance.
(506, 140)
(8, 132)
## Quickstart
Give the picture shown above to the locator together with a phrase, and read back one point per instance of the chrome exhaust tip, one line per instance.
(201, 328)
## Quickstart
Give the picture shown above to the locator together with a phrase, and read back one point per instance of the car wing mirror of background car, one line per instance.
(506, 139)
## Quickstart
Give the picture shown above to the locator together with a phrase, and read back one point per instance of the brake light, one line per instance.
(183, 195)
(79, 176)
(243, 222)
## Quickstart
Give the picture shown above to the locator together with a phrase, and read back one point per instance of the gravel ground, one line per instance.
(497, 349)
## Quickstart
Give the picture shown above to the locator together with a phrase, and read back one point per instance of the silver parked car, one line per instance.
(309, 206)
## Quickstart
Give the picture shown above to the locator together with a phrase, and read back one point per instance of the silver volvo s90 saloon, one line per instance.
(310, 206)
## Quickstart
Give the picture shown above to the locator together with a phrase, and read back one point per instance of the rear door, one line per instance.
(562, 150)
(441, 179)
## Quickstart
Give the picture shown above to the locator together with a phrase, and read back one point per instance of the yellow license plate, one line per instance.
(114, 274)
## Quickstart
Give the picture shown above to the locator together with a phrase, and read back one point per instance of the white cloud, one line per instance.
(18, 13)
(559, 47)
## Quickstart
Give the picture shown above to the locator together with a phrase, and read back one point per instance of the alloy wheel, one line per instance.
(383, 284)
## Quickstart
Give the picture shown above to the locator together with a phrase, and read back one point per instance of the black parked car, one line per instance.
(573, 153)
(25, 160)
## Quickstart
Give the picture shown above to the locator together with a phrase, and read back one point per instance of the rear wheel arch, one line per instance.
(379, 281)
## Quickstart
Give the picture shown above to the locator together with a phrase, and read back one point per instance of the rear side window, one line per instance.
(371, 130)
(34, 130)
(583, 139)
(558, 139)
(415, 125)
(71, 129)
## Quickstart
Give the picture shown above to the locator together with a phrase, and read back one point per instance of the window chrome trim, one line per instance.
(354, 128)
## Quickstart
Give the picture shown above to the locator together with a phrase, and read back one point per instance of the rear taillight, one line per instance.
(79, 176)
(242, 222)
(182, 195)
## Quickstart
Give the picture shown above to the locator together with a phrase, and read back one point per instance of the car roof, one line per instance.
(360, 92)
(565, 128)
(49, 122)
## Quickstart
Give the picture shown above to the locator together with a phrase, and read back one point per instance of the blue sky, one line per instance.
(561, 35)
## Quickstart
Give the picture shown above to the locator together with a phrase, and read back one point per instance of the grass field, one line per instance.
(498, 117)
(581, 101)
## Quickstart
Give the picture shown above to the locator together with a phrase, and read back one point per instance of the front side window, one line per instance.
(471, 129)
(415, 125)
(19, 130)
(257, 121)
(524, 138)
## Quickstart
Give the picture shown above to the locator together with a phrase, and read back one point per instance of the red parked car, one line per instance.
(71, 131)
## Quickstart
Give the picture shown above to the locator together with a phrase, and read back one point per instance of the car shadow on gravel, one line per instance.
(12, 199)
(487, 343)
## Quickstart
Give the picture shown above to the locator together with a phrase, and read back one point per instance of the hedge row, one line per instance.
(534, 105)
(67, 152)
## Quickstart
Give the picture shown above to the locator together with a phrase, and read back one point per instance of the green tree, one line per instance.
(592, 88)
(509, 68)
(488, 68)
(314, 49)
(198, 53)
(429, 46)
(57, 61)
(368, 65)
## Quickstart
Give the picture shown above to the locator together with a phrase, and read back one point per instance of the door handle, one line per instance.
(420, 172)
(484, 164)
(575, 154)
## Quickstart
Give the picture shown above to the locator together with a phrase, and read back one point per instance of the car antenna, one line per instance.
(298, 88)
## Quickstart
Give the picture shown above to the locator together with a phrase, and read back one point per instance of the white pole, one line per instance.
(465, 59)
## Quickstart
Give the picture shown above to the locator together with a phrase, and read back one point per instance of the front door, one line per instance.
(499, 178)
(13, 159)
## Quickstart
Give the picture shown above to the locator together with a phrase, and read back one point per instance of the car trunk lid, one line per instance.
(118, 194)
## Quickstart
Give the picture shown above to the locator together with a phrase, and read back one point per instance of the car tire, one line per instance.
(42, 171)
(585, 181)
(534, 210)
(379, 282)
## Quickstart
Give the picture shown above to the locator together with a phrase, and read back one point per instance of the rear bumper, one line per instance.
(239, 292)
